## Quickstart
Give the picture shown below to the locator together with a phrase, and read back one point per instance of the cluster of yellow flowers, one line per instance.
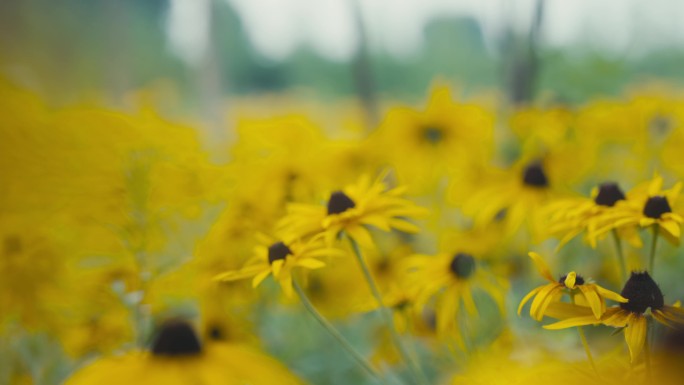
(128, 255)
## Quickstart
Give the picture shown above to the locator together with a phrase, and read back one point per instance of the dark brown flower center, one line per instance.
(609, 194)
(534, 175)
(462, 265)
(278, 251)
(578, 280)
(176, 338)
(433, 134)
(642, 293)
(339, 202)
(656, 206)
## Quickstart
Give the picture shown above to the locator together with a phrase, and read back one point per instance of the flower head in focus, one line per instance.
(643, 294)
(281, 260)
(365, 203)
(645, 207)
(582, 292)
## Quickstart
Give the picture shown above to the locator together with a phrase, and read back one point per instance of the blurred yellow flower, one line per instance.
(178, 357)
(450, 279)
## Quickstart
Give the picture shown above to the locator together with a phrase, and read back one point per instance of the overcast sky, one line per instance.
(277, 27)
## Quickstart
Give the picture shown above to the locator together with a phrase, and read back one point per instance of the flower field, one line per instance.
(458, 241)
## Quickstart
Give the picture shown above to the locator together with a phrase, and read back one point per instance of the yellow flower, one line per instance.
(643, 293)
(511, 198)
(366, 203)
(646, 208)
(445, 138)
(589, 293)
(573, 216)
(451, 278)
(280, 260)
(178, 357)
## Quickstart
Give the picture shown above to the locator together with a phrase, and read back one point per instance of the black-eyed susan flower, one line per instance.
(647, 207)
(178, 357)
(512, 197)
(451, 279)
(280, 260)
(574, 216)
(445, 138)
(643, 294)
(365, 203)
(589, 293)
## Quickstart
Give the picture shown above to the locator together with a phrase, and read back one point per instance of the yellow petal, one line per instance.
(593, 300)
(245, 272)
(605, 293)
(468, 303)
(543, 299)
(542, 267)
(527, 298)
(655, 186)
(286, 284)
(570, 280)
(404, 226)
(360, 235)
(616, 317)
(310, 263)
(672, 228)
(660, 317)
(635, 335)
(447, 311)
(276, 266)
(260, 277)
(563, 310)
(572, 322)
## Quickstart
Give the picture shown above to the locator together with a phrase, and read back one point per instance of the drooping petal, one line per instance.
(616, 317)
(360, 235)
(563, 310)
(541, 265)
(260, 277)
(605, 293)
(404, 226)
(310, 263)
(635, 335)
(660, 317)
(543, 299)
(593, 300)
(527, 298)
(572, 322)
(276, 266)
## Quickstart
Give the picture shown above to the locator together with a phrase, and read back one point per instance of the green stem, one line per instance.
(647, 352)
(414, 368)
(654, 242)
(585, 344)
(620, 255)
(336, 334)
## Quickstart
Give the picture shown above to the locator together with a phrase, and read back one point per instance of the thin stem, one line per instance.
(647, 352)
(620, 255)
(654, 242)
(415, 369)
(585, 344)
(336, 334)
